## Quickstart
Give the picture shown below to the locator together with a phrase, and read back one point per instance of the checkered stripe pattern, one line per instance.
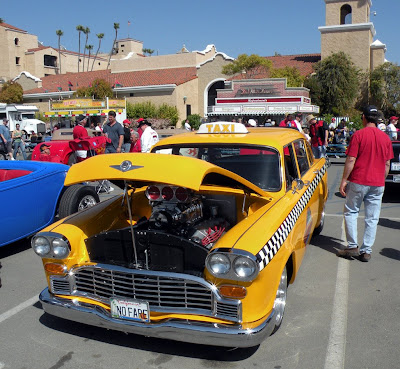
(269, 250)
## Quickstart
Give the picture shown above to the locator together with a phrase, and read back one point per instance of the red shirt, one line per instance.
(136, 147)
(317, 133)
(372, 148)
(79, 132)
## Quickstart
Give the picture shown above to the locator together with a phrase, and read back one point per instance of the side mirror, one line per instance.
(298, 184)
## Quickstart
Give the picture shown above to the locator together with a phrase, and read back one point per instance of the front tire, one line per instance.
(280, 300)
(76, 198)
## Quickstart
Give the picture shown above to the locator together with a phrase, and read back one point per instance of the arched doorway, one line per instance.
(210, 93)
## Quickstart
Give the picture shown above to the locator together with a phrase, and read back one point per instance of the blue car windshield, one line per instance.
(260, 165)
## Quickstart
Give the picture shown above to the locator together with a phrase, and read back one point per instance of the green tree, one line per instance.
(80, 29)
(1, 20)
(335, 85)
(86, 31)
(168, 112)
(292, 75)
(148, 51)
(89, 48)
(116, 28)
(194, 121)
(11, 93)
(59, 33)
(100, 37)
(252, 65)
(101, 89)
(385, 88)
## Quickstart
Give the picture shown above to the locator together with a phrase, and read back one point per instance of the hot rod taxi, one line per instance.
(201, 246)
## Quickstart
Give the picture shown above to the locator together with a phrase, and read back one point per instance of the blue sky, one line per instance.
(261, 27)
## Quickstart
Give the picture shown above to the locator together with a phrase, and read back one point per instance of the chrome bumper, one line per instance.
(178, 330)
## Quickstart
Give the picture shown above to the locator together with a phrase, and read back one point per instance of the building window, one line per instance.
(40, 100)
(131, 94)
(99, 63)
(16, 41)
(345, 14)
(50, 61)
(17, 60)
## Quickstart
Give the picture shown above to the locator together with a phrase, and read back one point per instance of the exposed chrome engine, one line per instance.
(179, 212)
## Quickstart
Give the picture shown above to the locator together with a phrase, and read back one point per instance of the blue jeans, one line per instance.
(356, 194)
(110, 149)
(319, 152)
(126, 147)
(20, 145)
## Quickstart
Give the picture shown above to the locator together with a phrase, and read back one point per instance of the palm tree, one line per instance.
(59, 33)
(80, 29)
(89, 47)
(116, 27)
(100, 37)
(86, 31)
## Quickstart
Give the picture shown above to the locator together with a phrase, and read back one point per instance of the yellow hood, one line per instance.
(149, 168)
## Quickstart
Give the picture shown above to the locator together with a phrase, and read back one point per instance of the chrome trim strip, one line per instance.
(173, 329)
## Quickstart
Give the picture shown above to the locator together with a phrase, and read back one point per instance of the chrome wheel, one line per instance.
(280, 300)
(86, 202)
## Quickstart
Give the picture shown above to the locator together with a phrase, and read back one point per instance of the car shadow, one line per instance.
(390, 253)
(326, 243)
(394, 224)
(166, 349)
(14, 248)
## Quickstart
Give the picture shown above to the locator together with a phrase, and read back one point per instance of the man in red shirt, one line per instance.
(80, 130)
(367, 165)
(288, 122)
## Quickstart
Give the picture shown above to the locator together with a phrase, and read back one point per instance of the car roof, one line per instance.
(268, 136)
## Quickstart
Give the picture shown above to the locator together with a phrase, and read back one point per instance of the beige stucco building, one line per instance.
(21, 51)
(348, 28)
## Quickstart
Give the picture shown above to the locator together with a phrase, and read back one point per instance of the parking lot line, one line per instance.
(335, 355)
(18, 308)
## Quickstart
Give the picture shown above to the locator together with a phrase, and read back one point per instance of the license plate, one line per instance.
(396, 177)
(395, 166)
(130, 309)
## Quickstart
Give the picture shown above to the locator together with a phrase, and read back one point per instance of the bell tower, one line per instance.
(348, 28)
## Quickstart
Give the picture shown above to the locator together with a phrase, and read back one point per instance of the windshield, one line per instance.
(28, 116)
(258, 164)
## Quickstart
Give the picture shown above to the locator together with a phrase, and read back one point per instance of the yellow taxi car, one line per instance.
(201, 246)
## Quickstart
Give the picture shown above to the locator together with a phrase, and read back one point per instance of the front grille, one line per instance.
(60, 286)
(165, 292)
(157, 290)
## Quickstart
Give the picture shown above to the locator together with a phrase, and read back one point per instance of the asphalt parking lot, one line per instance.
(340, 313)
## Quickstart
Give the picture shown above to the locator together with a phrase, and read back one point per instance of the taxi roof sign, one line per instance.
(222, 128)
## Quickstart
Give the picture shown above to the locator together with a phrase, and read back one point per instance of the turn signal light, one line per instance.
(54, 268)
(236, 292)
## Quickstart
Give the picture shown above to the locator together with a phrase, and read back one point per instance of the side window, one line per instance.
(290, 166)
(302, 159)
(310, 154)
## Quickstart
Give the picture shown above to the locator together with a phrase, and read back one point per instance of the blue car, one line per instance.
(32, 194)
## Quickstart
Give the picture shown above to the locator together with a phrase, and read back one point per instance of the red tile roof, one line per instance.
(303, 62)
(176, 76)
(6, 25)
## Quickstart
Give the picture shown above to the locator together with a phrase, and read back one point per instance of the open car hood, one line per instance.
(156, 168)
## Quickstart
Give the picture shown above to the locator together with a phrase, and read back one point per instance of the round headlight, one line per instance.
(244, 267)
(41, 246)
(219, 264)
(60, 248)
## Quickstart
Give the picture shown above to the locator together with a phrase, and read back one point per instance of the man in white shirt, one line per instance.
(297, 119)
(149, 135)
(391, 129)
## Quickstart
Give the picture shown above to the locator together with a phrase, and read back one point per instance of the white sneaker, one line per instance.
(12, 158)
(110, 189)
